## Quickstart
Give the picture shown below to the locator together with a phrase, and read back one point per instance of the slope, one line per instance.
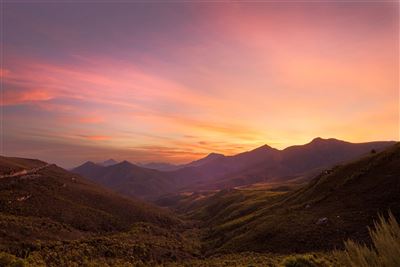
(338, 204)
(41, 207)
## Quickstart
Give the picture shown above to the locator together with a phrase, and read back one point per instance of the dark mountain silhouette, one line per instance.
(336, 205)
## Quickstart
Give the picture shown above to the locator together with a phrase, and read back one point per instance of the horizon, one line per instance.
(173, 82)
(120, 160)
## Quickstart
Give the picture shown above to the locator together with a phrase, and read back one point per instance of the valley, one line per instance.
(58, 218)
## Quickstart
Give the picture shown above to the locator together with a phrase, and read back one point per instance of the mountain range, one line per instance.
(216, 171)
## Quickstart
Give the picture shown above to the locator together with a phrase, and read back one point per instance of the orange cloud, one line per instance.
(96, 137)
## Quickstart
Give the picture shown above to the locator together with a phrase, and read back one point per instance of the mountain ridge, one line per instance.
(217, 171)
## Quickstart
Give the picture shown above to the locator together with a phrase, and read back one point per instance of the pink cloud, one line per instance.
(91, 119)
(4, 72)
(26, 96)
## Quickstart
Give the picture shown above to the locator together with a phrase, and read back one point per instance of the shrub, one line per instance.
(8, 260)
(304, 261)
(384, 252)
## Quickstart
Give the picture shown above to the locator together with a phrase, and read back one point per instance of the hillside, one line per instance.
(336, 205)
(41, 207)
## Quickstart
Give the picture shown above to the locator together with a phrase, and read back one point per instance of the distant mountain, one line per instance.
(129, 179)
(108, 162)
(216, 171)
(268, 164)
(160, 166)
(219, 166)
(336, 205)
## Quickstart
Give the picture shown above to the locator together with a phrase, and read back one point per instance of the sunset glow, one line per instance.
(174, 82)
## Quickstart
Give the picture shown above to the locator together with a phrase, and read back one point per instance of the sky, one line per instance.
(175, 81)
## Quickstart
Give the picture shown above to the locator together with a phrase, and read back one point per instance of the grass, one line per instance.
(385, 249)
(306, 260)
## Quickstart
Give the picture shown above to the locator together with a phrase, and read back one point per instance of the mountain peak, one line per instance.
(263, 148)
(89, 163)
(319, 140)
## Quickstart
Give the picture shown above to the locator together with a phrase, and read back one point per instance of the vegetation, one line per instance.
(306, 260)
(385, 249)
(9, 260)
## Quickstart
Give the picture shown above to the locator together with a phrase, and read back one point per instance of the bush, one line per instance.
(8, 260)
(304, 261)
(385, 251)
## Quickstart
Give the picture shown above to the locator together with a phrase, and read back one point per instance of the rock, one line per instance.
(23, 198)
(322, 221)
